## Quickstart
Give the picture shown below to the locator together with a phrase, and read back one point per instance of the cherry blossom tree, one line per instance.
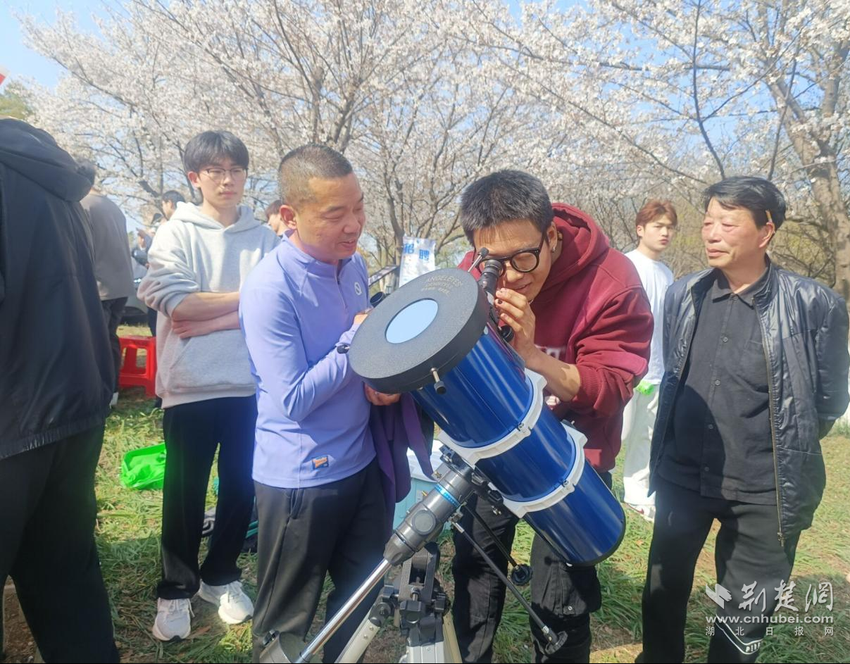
(372, 78)
(672, 96)
(610, 102)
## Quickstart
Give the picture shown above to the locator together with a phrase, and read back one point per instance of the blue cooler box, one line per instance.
(419, 484)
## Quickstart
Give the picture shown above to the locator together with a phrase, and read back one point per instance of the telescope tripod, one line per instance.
(415, 600)
(419, 608)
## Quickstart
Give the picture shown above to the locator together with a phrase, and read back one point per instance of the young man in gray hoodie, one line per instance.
(198, 262)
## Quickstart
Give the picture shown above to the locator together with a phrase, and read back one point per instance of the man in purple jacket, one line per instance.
(319, 495)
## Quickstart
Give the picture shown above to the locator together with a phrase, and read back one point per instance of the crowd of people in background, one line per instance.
(720, 386)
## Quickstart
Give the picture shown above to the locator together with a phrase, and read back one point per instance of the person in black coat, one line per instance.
(755, 374)
(56, 381)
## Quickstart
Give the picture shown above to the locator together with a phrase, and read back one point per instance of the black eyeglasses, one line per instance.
(218, 174)
(524, 260)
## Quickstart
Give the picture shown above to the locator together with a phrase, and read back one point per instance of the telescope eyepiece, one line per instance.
(490, 276)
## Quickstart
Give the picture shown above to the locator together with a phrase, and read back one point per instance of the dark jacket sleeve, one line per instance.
(673, 320)
(3, 242)
(614, 355)
(671, 304)
(833, 361)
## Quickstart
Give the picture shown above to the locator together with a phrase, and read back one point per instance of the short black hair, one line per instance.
(173, 197)
(505, 196)
(210, 146)
(303, 164)
(757, 195)
(87, 168)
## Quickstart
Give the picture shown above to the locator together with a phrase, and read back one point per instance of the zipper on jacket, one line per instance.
(779, 533)
(339, 288)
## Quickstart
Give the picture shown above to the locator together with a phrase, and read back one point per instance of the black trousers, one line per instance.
(47, 519)
(338, 529)
(564, 597)
(193, 431)
(112, 312)
(152, 315)
(747, 551)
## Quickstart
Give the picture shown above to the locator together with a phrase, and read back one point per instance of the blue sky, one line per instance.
(17, 58)
(25, 63)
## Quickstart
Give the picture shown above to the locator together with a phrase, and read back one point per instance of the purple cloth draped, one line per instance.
(395, 429)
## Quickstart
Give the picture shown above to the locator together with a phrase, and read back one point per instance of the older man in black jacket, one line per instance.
(55, 385)
(755, 374)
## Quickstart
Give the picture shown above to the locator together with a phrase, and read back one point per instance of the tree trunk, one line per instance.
(399, 247)
(841, 241)
(826, 189)
(822, 172)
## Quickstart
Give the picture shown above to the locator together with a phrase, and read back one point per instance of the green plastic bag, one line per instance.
(646, 388)
(144, 468)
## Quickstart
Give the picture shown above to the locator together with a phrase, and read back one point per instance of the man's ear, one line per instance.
(287, 215)
(639, 230)
(194, 178)
(768, 230)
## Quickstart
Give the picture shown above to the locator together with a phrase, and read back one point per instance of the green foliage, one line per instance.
(13, 103)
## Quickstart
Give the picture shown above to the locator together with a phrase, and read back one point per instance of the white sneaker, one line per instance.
(173, 619)
(114, 401)
(234, 606)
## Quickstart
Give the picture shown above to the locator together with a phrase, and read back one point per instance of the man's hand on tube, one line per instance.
(359, 318)
(379, 398)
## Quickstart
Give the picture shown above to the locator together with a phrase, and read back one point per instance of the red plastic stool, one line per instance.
(132, 374)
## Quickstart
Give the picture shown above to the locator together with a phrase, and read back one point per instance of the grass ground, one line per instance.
(128, 529)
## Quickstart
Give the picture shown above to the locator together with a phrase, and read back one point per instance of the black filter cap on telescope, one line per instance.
(430, 324)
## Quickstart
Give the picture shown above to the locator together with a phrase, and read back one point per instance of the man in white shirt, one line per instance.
(655, 225)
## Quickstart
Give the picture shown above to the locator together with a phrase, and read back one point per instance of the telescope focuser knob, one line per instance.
(439, 385)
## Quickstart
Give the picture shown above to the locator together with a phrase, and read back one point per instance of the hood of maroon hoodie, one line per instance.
(573, 307)
(584, 242)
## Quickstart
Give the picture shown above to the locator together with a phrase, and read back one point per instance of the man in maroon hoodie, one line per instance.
(582, 320)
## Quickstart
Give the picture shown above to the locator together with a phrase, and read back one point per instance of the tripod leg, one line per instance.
(345, 611)
(360, 640)
(450, 639)
(445, 650)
